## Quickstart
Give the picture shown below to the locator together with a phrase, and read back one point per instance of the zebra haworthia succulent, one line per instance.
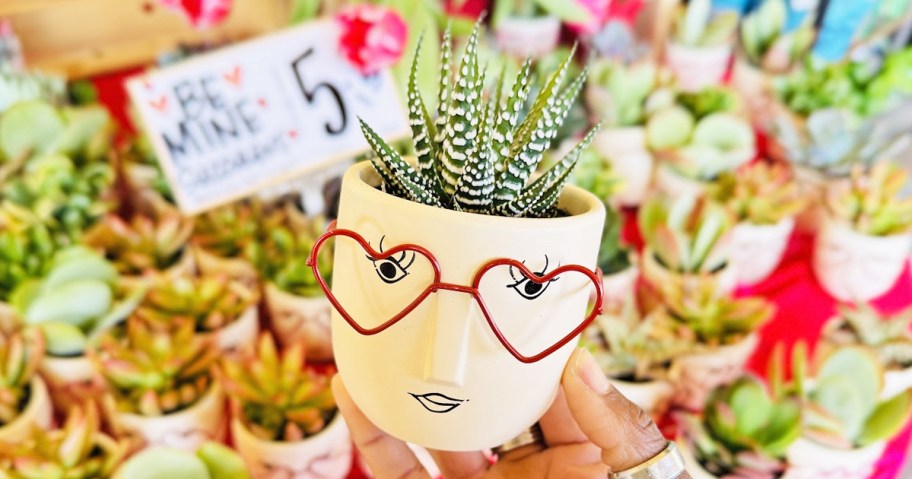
(477, 156)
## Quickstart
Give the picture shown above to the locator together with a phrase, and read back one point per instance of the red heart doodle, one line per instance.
(160, 104)
(234, 76)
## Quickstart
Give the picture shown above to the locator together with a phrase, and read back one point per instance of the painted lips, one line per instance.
(437, 403)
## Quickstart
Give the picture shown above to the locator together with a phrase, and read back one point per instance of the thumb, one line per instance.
(625, 433)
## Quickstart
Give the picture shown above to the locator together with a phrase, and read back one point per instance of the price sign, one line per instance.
(230, 123)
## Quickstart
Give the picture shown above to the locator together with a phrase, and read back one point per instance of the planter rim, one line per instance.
(38, 394)
(214, 393)
(238, 424)
(273, 290)
(745, 223)
(843, 226)
(363, 179)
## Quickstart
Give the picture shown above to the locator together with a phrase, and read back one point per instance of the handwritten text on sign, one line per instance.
(233, 122)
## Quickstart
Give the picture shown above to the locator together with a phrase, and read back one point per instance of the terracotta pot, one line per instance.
(234, 268)
(240, 332)
(695, 375)
(295, 318)
(674, 185)
(756, 250)
(71, 380)
(697, 67)
(653, 397)
(630, 159)
(525, 37)
(618, 287)
(811, 460)
(693, 466)
(852, 266)
(661, 277)
(186, 429)
(38, 412)
(327, 455)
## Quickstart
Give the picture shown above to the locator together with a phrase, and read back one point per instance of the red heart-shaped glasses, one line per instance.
(436, 285)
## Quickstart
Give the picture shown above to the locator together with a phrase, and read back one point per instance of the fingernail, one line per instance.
(591, 373)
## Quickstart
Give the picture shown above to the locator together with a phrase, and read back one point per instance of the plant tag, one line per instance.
(228, 124)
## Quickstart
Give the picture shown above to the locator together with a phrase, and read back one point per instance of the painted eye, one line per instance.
(394, 268)
(530, 289)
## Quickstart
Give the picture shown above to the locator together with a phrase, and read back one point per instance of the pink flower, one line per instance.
(372, 37)
(201, 14)
(598, 13)
(466, 8)
(625, 10)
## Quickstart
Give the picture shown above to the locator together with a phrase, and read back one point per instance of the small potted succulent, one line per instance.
(531, 28)
(635, 350)
(221, 307)
(686, 243)
(622, 97)
(284, 418)
(211, 461)
(24, 400)
(765, 200)
(864, 242)
(161, 388)
(222, 237)
(722, 331)
(846, 419)
(80, 450)
(77, 299)
(418, 242)
(700, 46)
(744, 431)
(298, 308)
(145, 244)
(697, 138)
(889, 336)
(27, 249)
(617, 262)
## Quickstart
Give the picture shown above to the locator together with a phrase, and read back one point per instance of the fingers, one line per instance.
(387, 457)
(624, 432)
(558, 425)
(460, 465)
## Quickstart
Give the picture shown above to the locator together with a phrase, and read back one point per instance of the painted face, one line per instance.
(443, 376)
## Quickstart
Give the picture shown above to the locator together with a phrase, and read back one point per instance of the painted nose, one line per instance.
(448, 338)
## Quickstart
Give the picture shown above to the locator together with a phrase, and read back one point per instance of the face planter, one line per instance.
(451, 329)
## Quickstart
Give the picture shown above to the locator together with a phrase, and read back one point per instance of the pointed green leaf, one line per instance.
(886, 420)
(508, 117)
(396, 171)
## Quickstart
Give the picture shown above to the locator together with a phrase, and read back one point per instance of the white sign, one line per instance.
(228, 124)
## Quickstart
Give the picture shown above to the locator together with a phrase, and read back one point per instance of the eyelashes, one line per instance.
(394, 268)
(527, 288)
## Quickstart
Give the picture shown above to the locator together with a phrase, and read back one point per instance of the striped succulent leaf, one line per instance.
(475, 189)
(507, 119)
(462, 117)
(558, 175)
(397, 173)
(423, 130)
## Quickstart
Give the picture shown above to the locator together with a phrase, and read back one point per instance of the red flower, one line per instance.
(201, 14)
(625, 10)
(598, 10)
(372, 37)
(466, 8)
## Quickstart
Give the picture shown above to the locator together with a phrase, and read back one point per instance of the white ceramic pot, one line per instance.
(240, 332)
(696, 68)
(653, 397)
(811, 460)
(327, 455)
(38, 412)
(852, 266)
(693, 466)
(673, 185)
(437, 376)
(756, 250)
(234, 268)
(186, 429)
(295, 318)
(527, 37)
(661, 277)
(695, 375)
(618, 287)
(631, 161)
(71, 380)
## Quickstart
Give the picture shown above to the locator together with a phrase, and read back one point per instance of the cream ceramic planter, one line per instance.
(630, 159)
(725, 279)
(234, 268)
(437, 376)
(756, 250)
(186, 429)
(696, 68)
(71, 380)
(525, 37)
(695, 375)
(654, 397)
(852, 266)
(241, 332)
(618, 287)
(297, 318)
(37, 413)
(810, 460)
(327, 455)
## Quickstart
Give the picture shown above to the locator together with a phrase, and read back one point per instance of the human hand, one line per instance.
(590, 430)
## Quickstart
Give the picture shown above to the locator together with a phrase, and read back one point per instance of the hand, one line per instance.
(590, 430)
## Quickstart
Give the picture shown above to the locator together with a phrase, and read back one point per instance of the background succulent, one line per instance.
(20, 354)
(212, 461)
(281, 253)
(695, 25)
(761, 193)
(888, 335)
(209, 302)
(871, 202)
(228, 230)
(687, 234)
(143, 243)
(26, 247)
(765, 42)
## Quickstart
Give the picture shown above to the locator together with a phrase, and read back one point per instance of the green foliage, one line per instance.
(479, 159)
(564, 11)
(26, 248)
(20, 354)
(210, 302)
(760, 194)
(144, 244)
(696, 26)
(226, 231)
(613, 257)
(278, 398)
(686, 234)
(16, 87)
(764, 41)
(211, 461)
(870, 201)
(628, 90)
(889, 336)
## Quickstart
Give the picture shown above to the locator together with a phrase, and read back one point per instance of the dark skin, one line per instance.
(590, 430)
